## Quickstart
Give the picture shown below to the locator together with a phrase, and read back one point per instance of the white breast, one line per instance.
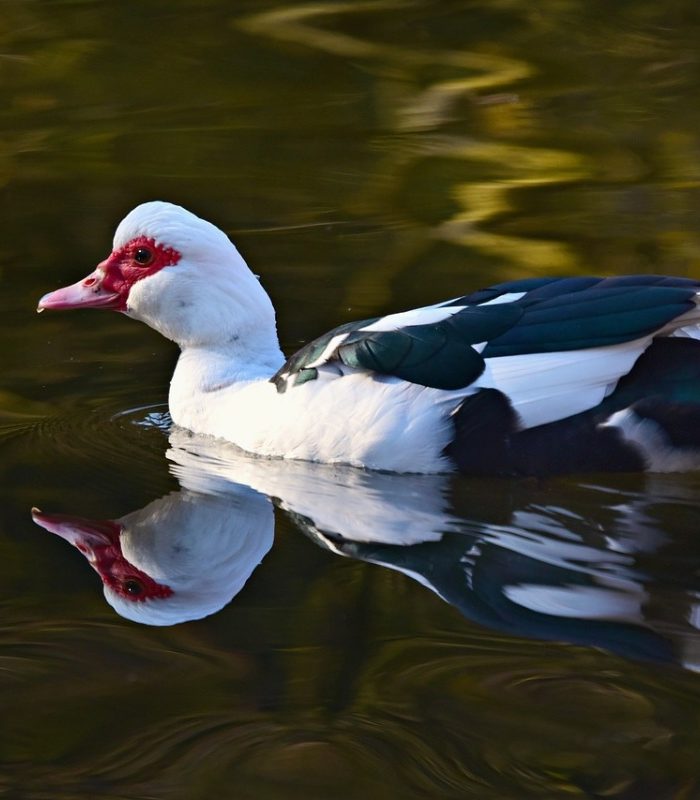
(383, 424)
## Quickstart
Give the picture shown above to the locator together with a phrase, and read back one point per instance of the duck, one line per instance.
(529, 377)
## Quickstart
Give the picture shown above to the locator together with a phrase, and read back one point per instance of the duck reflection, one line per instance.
(182, 557)
(572, 563)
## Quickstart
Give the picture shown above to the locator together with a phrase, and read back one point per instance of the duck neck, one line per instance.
(203, 371)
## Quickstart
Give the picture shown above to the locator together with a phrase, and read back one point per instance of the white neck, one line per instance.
(202, 372)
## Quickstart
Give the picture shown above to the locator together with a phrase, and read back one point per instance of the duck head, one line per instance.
(177, 273)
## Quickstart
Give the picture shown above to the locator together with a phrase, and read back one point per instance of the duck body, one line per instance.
(527, 377)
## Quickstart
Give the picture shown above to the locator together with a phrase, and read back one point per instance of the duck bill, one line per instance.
(87, 293)
(85, 534)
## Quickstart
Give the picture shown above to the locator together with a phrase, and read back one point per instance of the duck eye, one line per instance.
(133, 587)
(143, 256)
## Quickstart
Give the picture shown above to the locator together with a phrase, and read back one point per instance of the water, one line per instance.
(434, 637)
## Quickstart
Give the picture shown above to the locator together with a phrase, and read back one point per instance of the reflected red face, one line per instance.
(100, 542)
(120, 575)
(109, 285)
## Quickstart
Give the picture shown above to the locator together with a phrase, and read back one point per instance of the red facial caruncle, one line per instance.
(109, 285)
(139, 259)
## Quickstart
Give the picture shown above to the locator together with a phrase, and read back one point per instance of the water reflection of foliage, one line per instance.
(486, 112)
(557, 142)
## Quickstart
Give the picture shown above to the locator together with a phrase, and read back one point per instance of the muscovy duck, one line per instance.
(528, 377)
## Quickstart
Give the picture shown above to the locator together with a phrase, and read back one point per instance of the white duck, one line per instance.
(527, 377)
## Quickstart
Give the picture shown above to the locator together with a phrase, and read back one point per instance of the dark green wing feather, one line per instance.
(539, 315)
(438, 354)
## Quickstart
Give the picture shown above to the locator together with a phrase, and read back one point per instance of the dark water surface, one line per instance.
(402, 637)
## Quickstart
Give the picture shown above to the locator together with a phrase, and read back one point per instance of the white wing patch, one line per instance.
(328, 350)
(508, 297)
(428, 315)
(545, 387)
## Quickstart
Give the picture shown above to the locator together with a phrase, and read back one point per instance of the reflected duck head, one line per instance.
(182, 557)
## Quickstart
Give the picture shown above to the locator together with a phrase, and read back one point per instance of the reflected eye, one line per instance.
(133, 587)
(143, 256)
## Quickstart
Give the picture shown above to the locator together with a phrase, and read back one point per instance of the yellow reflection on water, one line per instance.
(414, 110)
